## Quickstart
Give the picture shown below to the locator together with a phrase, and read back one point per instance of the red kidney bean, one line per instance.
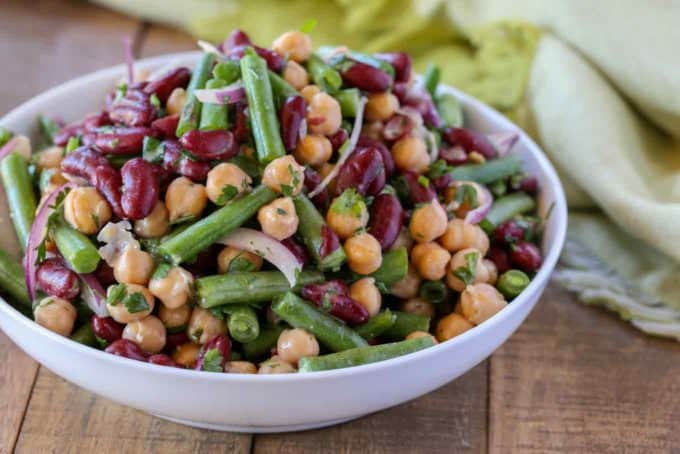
(126, 349)
(401, 62)
(236, 38)
(298, 250)
(242, 123)
(96, 120)
(140, 188)
(332, 296)
(166, 126)
(366, 77)
(386, 218)
(163, 86)
(329, 241)
(68, 131)
(417, 192)
(470, 141)
(397, 126)
(526, 256)
(527, 184)
(121, 140)
(220, 342)
(509, 232)
(133, 109)
(275, 62)
(206, 262)
(108, 182)
(454, 155)
(419, 98)
(378, 182)
(104, 274)
(316, 292)
(500, 258)
(172, 341)
(176, 162)
(82, 162)
(106, 328)
(442, 183)
(210, 145)
(163, 360)
(312, 180)
(388, 160)
(360, 170)
(55, 279)
(338, 138)
(292, 114)
(400, 90)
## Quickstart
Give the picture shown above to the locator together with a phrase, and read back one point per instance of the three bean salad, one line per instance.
(271, 210)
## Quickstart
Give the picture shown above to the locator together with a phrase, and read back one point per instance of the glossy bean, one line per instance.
(121, 140)
(242, 123)
(339, 138)
(471, 141)
(161, 359)
(166, 126)
(329, 242)
(106, 328)
(360, 170)
(133, 109)
(388, 160)
(298, 250)
(55, 279)
(365, 77)
(401, 62)
(418, 192)
(210, 145)
(333, 297)
(164, 85)
(275, 62)
(292, 114)
(386, 219)
(140, 188)
(126, 349)
(312, 180)
(175, 162)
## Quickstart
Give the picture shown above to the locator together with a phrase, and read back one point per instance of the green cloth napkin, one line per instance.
(599, 88)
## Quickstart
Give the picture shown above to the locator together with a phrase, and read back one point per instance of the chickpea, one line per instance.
(240, 367)
(174, 289)
(314, 150)
(430, 260)
(56, 179)
(296, 343)
(418, 306)
(174, 318)
(460, 260)
(365, 292)
(176, 101)
(156, 224)
(323, 114)
(187, 355)
(407, 287)
(295, 74)
(148, 333)
(203, 326)
(480, 302)
(410, 153)
(492, 270)
(373, 130)
(133, 266)
(86, 210)
(49, 158)
(226, 176)
(476, 157)
(279, 218)
(419, 334)
(428, 222)
(119, 310)
(403, 240)
(462, 235)
(464, 207)
(309, 91)
(347, 214)
(295, 45)
(381, 106)
(284, 172)
(323, 171)
(185, 199)
(56, 314)
(451, 326)
(275, 365)
(228, 254)
(364, 254)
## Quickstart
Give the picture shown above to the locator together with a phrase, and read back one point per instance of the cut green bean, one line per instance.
(450, 110)
(48, 129)
(405, 324)
(280, 88)
(376, 325)
(324, 76)
(20, 196)
(431, 78)
(262, 346)
(330, 332)
(490, 171)
(509, 206)
(12, 280)
(5, 135)
(512, 283)
(77, 249)
(349, 101)
(248, 165)
(364, 355)
(434, 292)
(201, 234)
(214, 116)
(242, 323)
(84, 335)
(264, 122)
(191, 113)
(229, 71)
(248, 287)
(311, 225)
(393, 268)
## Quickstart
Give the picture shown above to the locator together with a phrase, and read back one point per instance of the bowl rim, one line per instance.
(559, 210)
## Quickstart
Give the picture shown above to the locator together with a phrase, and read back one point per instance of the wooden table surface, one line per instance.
(572, 379)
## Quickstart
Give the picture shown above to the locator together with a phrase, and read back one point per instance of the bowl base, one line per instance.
(258, 429)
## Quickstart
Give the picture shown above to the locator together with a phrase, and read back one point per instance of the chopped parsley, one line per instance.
(115, 294)
(136, 302)
(308, 26)
(467, 273)
(241, 264)
(229, 191)
(281, 212)
(466, 194)
(424, 181)
(212, 361)
(350, 202)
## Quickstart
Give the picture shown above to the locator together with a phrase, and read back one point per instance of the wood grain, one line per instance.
(576, 379)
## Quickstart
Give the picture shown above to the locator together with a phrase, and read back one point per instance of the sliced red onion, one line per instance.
(38, 230)
(8, 147)
(129, 59)
(226, 95)
(266, 247)
(431, 143)
(353, 139)
(209, 48)
(484, 198)
(93, 294)
(503, 141)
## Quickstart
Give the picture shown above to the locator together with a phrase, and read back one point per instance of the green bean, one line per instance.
(191, 113)
(264, 121)
(512, 282)
(84, 335)
(434, 292)
(5, 135)
(332, 333)
(201, 234)
(48, 129)
(337, 59)
(248, 165)
(349, 101)
(376, 325)
(261, 347)
(364, 355)
(12, 280)
(280, 88)
(509, 206)
(450, 110)
(393, 268)
(405, 324)
(242, 323)
(431, 78)
(310, 228)
(229, 71)
(77, 249)
(248, 287)
(490, 171)
(214, 116)
(324, 76)
(20, 195)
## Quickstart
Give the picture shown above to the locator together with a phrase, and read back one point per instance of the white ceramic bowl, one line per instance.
(275, 403)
